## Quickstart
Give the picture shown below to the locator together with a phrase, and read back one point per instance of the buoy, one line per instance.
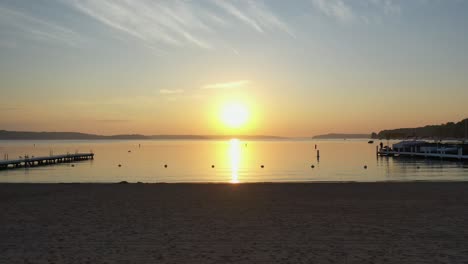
(262, 166)
(120, 165)
(417, 167)
(365, 166)
(73, 165)
(212, 166)
(129, 151)
(312, 166)
(165, 165)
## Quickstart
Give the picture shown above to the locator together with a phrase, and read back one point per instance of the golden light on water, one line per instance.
(235, 158)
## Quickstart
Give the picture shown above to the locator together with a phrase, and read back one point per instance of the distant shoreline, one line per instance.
(26, 135)
(342, 136)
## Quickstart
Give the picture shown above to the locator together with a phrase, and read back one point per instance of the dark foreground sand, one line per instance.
(245, 223)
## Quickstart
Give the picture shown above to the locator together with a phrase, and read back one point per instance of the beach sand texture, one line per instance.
(234, 223)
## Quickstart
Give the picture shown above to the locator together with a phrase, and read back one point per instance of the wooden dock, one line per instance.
(46, 160)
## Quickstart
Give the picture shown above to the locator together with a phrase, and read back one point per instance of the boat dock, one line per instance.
(423, 155)
(425, 149)
(46, 160)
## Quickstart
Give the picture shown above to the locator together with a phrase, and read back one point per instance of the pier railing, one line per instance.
(45, 160)
(441, 155)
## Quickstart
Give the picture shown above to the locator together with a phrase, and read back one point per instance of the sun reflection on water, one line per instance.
(235, 158)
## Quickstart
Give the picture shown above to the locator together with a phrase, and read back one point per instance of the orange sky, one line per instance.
(301, 69)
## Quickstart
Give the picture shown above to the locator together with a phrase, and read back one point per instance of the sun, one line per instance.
(234, 115)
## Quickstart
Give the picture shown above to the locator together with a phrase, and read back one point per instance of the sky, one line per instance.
(300, 67)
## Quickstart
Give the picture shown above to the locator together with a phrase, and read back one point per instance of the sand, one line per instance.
(243, 223)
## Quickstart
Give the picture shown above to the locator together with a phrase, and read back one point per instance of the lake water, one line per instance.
(233, 160)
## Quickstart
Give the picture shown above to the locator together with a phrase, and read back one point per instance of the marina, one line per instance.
(424, 149)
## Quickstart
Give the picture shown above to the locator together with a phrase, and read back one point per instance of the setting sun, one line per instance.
(234, 115)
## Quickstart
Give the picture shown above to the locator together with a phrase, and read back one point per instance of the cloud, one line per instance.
(153, 22)
(39, 29)
(163, 24)
(236, 12)
(227, 85)
(167, 91)
(352, 11)
(335, 8)
(255, 14)
(390, 8)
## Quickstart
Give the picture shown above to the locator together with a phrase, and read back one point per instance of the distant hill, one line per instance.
(448, 130)
(26, 135)
(341, 136)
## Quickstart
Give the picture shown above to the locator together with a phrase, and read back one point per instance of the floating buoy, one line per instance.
(365, 166)
(120, 165)
(212, 166)
(129, 151)
(165, 165)
(73, 165)
(312, 166)
(417, 167)
(262, 166)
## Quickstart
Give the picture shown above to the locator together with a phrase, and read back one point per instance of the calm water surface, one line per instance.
(233, 160)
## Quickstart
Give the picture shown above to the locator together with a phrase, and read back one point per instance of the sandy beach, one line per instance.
(242, 223)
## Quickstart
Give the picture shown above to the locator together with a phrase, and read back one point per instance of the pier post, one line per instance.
(318, 153)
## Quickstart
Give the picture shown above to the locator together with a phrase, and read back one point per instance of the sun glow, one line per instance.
(234, 115)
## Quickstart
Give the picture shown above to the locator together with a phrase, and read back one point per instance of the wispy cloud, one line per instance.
(335, 8)
(227, 85)
(154, 22)
(255, 14)
(351, 11)
(39, 29)
(389, 7)
(236, 12)
(167, 91)
(163, 24)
